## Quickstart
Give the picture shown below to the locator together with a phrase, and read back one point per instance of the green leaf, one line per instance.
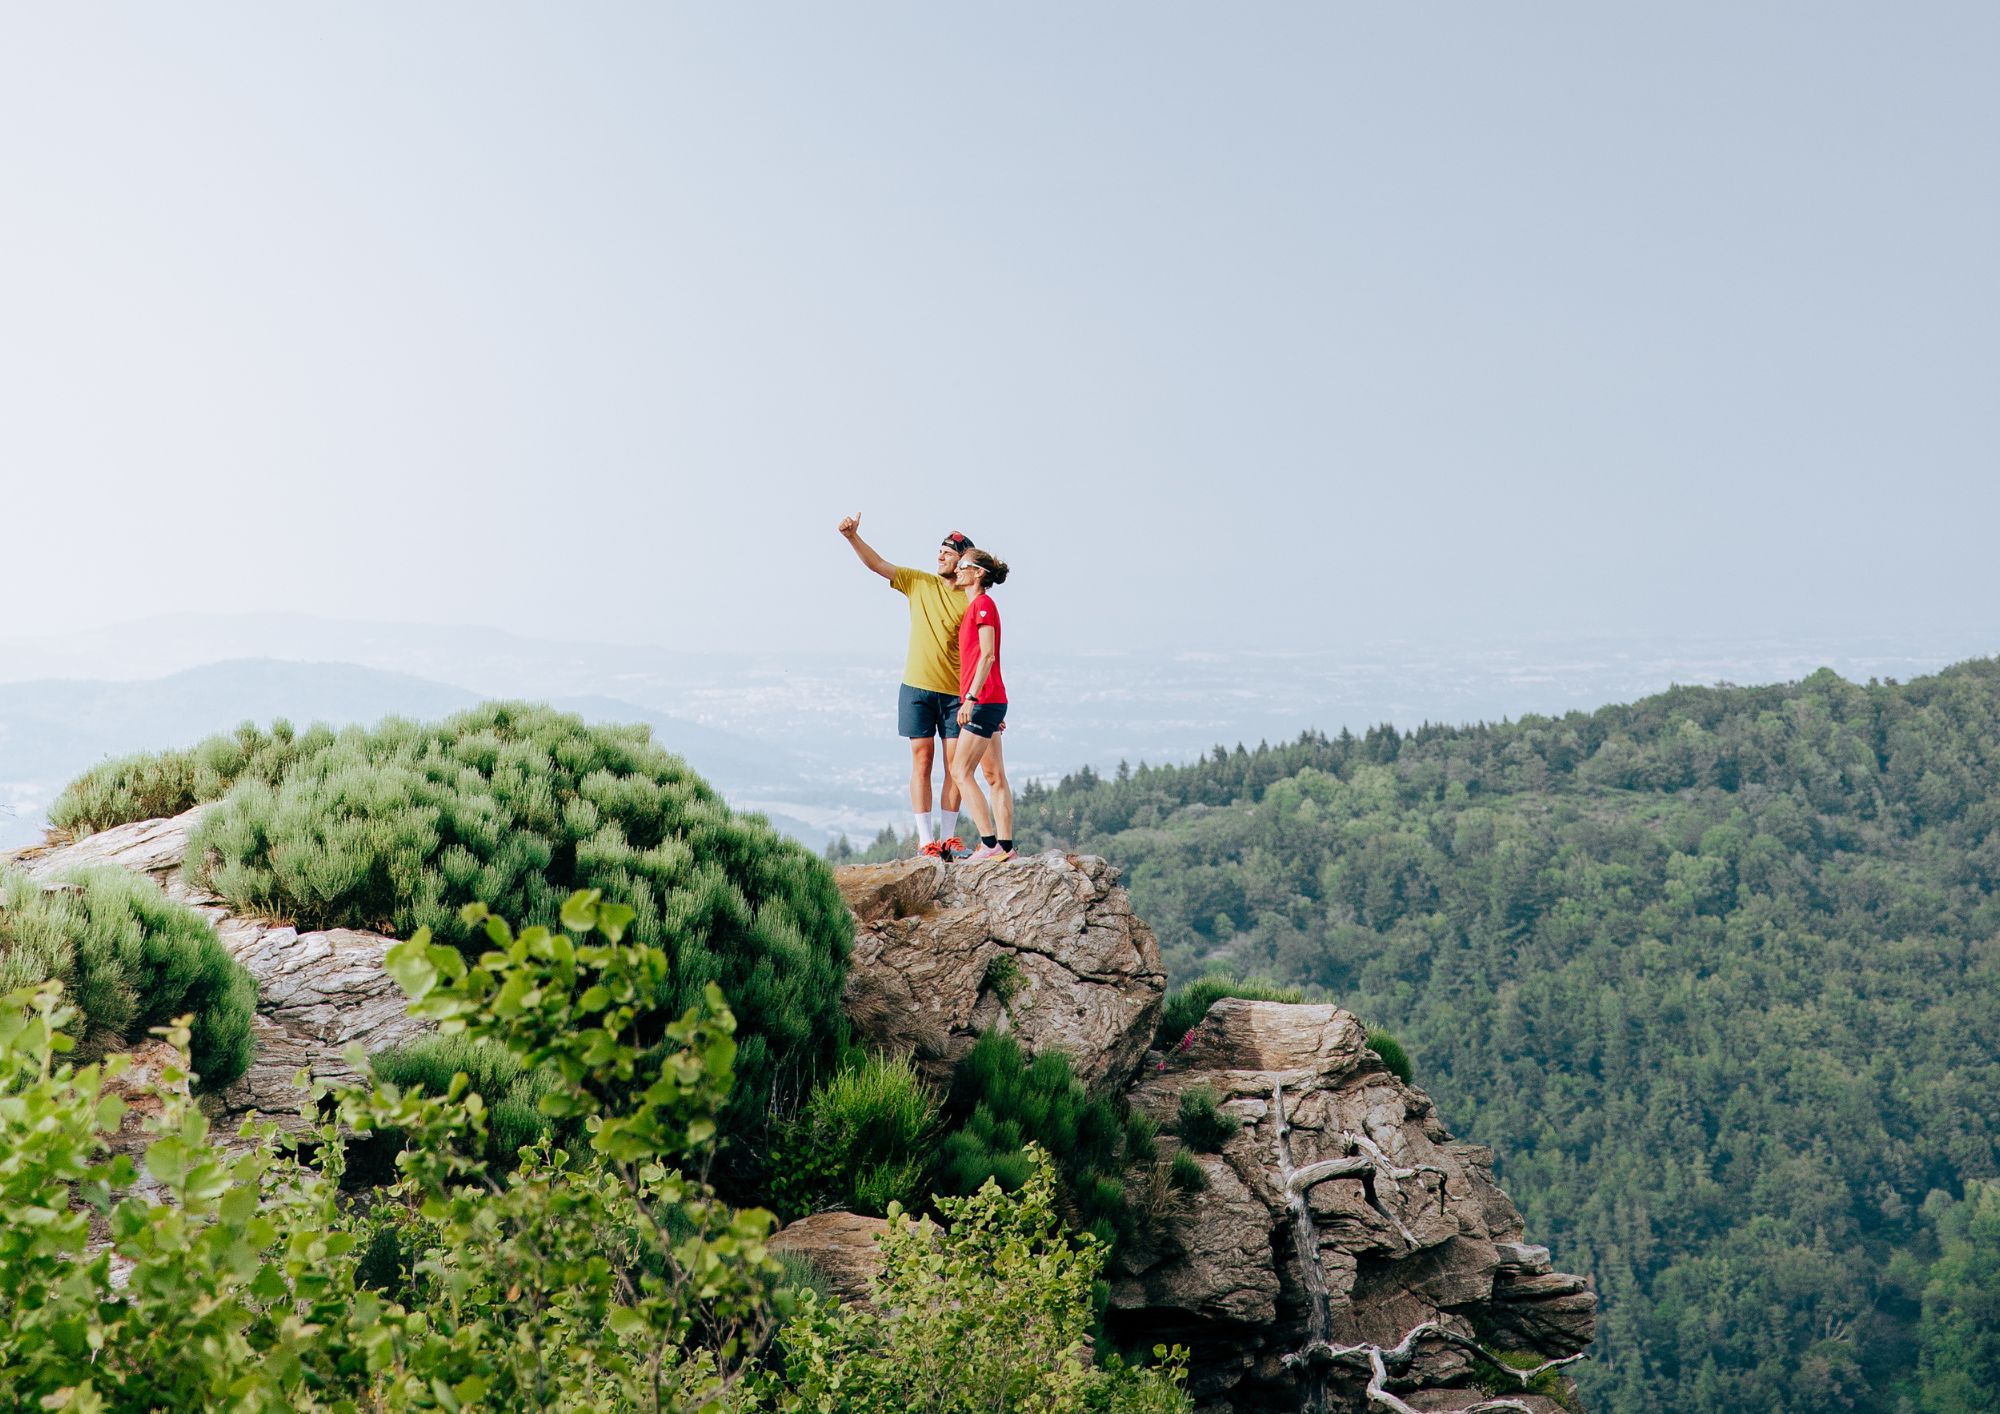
(579, 910)
(409, 965)
(614, 918)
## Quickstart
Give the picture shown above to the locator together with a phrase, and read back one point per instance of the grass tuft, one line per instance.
(1188, 1004)
(1393, 1056)
(1203, 1127)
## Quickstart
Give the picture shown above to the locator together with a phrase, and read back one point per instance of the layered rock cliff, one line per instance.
(1346, 1253)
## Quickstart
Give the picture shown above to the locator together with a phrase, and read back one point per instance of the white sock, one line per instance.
(938, 828)
(924, 835)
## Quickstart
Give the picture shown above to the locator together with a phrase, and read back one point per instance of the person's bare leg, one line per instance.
(970, 749)
(948, 799)
(922, 753)
(1003, 798)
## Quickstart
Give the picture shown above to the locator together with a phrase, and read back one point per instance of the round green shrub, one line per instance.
(131, 959)
(1001, 1102)
(1186, 1174)
(517, 806)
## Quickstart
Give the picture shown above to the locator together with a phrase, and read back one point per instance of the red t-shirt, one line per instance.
(980, 613)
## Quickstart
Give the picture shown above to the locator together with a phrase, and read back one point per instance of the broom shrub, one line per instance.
(518, 806)
(1001, 1102)
(861, 1142)
(154, 784)
(129, 959)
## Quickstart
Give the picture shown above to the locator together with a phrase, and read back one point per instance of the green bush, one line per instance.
(861, 1142)
(991, 1312)
(1201, 1126)
(512, 1094)
(1189, 1003)
(1393, 1056)
(1001, 1103)
(130, 959)
(148, 786)
(397, 827)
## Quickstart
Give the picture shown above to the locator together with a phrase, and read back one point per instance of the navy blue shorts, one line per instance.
(988, 719)
(922, 714)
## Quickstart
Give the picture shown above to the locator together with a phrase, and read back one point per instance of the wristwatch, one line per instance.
(972, 702)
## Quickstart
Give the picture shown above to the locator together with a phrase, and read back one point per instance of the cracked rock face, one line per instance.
(1342, 1213)
(317, 992)
(1045, 947)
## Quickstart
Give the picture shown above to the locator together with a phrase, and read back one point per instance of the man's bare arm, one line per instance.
(851, 528)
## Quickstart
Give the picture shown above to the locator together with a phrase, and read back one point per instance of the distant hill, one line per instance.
(1718, 973)
(50, 731)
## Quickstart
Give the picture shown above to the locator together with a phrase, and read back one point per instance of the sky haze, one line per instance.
(1291, 327)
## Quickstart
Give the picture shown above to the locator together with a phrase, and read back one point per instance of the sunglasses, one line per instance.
(967, 565)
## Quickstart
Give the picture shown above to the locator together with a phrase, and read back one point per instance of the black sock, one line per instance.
(1007, 845)
(986, 840)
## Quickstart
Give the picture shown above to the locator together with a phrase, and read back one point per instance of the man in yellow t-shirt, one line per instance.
(927, 702)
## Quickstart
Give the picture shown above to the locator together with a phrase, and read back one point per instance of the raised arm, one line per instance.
(851, 528)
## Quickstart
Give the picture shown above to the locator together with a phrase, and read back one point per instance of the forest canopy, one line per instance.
(1717, 974)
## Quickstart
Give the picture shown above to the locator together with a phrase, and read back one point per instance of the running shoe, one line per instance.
(954, 848)
(935, 849)
(989, 851)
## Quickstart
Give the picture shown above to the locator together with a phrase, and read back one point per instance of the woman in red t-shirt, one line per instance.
(982, 705)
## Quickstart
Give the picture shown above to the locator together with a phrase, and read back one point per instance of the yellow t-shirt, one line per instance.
(935, 609)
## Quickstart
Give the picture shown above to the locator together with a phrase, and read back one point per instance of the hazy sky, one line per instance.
(1226, 325)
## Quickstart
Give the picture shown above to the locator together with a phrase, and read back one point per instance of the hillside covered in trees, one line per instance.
(1718, 973)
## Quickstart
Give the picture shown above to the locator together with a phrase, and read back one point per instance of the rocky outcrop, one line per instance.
(1346, 1253)
(1342, 1227)
(318, 992)
(843, 1247)
(1045, 947)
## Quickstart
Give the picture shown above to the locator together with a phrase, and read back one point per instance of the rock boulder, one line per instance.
(1340, 1215)
(318, 992)
(1046, 947)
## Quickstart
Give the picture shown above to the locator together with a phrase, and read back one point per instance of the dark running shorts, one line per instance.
(988, 719)
(922, 714)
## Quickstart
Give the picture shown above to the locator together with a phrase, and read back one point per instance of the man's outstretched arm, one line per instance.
(851, 528)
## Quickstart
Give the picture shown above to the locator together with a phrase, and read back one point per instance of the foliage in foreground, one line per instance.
(1716, 972)
(129, 959)
(398, 827)
(610, 1279)
(989, 1314)
(559, 1286)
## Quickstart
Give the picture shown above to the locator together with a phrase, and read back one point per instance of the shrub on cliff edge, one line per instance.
(1189, 1003)
(517, 806)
